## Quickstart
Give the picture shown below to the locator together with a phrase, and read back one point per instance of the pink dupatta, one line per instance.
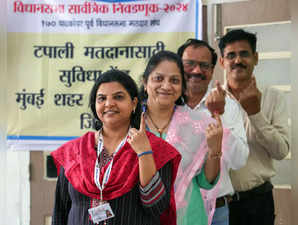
(187, 134)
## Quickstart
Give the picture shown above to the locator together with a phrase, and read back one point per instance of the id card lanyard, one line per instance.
(107, 173)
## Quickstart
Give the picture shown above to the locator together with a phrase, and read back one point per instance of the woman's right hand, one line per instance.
(138, 138)
(214, 134)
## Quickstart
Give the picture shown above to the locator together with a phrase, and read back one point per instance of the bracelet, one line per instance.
(215, 155)
(145, 153)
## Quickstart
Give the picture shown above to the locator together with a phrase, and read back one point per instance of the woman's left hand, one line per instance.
(214, 134)
(138, 138)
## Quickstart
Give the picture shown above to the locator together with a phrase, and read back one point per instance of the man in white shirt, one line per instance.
(199, 60)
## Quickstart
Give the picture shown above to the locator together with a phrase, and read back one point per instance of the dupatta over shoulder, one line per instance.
(187, 133)
(78, 157)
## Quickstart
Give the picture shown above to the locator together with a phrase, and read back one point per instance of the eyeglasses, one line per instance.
(198, 43)
(191, 64)
(233, 55)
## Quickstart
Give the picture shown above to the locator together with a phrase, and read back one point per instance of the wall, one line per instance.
(250, 12)
(42, 198)
(14, 188)
(294, 79)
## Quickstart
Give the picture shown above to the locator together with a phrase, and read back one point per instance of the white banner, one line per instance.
(56, 16)
(56, 49)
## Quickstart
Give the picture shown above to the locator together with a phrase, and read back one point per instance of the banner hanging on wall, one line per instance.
(58, 48)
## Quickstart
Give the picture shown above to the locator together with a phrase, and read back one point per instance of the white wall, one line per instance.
(14, 186)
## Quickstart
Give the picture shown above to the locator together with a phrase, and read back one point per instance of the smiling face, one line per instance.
(164, 84)
(114, 105)
(239, 61)
(198, 68)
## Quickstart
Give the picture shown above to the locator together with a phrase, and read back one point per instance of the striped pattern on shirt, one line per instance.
(71, 207)
(153, 191)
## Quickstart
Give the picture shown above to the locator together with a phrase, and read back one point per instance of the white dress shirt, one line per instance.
(236, 152)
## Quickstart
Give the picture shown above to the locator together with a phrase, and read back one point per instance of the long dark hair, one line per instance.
(154, 61)
(128, 83)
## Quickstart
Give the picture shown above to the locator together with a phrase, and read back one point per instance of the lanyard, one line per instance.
(108, 170)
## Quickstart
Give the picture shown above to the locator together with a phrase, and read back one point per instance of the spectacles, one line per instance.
(233, 55)
(191, 64)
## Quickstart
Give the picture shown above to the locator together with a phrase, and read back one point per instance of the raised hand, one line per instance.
(138, 138)
(214, 134)
(215, 101)
(250, 98)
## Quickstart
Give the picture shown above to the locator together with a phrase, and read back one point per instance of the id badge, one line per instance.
(101, 212)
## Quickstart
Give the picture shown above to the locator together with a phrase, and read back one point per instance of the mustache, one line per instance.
(195, 75)
(240, 65)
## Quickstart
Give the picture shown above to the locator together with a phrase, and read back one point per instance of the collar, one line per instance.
(228, 91)
(202, 102)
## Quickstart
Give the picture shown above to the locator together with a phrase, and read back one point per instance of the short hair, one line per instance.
(195, 43)
(237, 35)
(154, 61)
(130, 86)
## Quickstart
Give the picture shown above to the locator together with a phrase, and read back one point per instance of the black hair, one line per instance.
(195, 43)
(154, 61)
(238, 35)
(128, 83)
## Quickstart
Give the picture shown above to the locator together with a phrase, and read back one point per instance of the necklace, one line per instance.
(159, 129)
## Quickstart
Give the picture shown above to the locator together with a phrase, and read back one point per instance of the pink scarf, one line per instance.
(187, 133)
